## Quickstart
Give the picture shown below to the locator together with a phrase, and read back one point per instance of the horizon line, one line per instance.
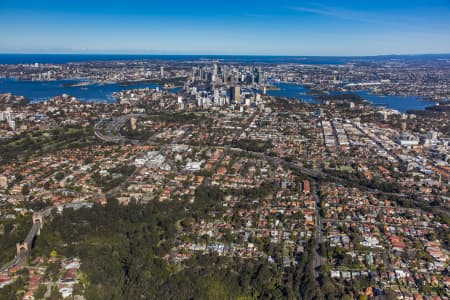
(216, 54)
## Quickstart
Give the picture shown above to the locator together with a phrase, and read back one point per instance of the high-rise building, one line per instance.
(162, 72)
(199, 101)
(224, 74)
(260, 76)
(216, 96)
(235, 94)
(214, 75)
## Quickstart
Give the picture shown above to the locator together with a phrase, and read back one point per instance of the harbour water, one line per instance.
(37, 91)
(292, 90)
(400, 103)
(44, 90)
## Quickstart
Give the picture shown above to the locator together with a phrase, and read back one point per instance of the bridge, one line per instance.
(23, 249)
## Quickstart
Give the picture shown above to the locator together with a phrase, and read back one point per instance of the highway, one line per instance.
(112, 128)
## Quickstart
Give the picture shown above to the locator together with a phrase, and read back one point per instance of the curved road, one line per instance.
(112, 128)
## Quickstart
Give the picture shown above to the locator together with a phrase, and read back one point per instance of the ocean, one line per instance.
(315, 60)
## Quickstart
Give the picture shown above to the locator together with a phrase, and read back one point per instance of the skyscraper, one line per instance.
(214, 73)
(235, 94)
(216, 96)
(224, 74)
(260, 76)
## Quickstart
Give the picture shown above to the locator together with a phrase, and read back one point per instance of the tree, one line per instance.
(47, 185)
(25, 190)
(59, 176)
(362, 297)
(40, 292)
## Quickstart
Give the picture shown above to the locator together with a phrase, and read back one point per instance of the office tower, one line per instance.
(260, 76)
(224, 74)
(162, 72)
(216, 96)
(235, 94)
(214, 73)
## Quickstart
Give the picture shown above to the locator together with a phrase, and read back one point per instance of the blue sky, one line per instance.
(281, 27)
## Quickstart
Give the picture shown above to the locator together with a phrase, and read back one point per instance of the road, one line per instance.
(112, 128)
(276, 160)
(377, 223)
(318, 260)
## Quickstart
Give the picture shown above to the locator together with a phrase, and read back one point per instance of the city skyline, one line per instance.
(309, 28)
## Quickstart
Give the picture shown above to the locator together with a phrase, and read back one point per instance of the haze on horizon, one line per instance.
(226, 27)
